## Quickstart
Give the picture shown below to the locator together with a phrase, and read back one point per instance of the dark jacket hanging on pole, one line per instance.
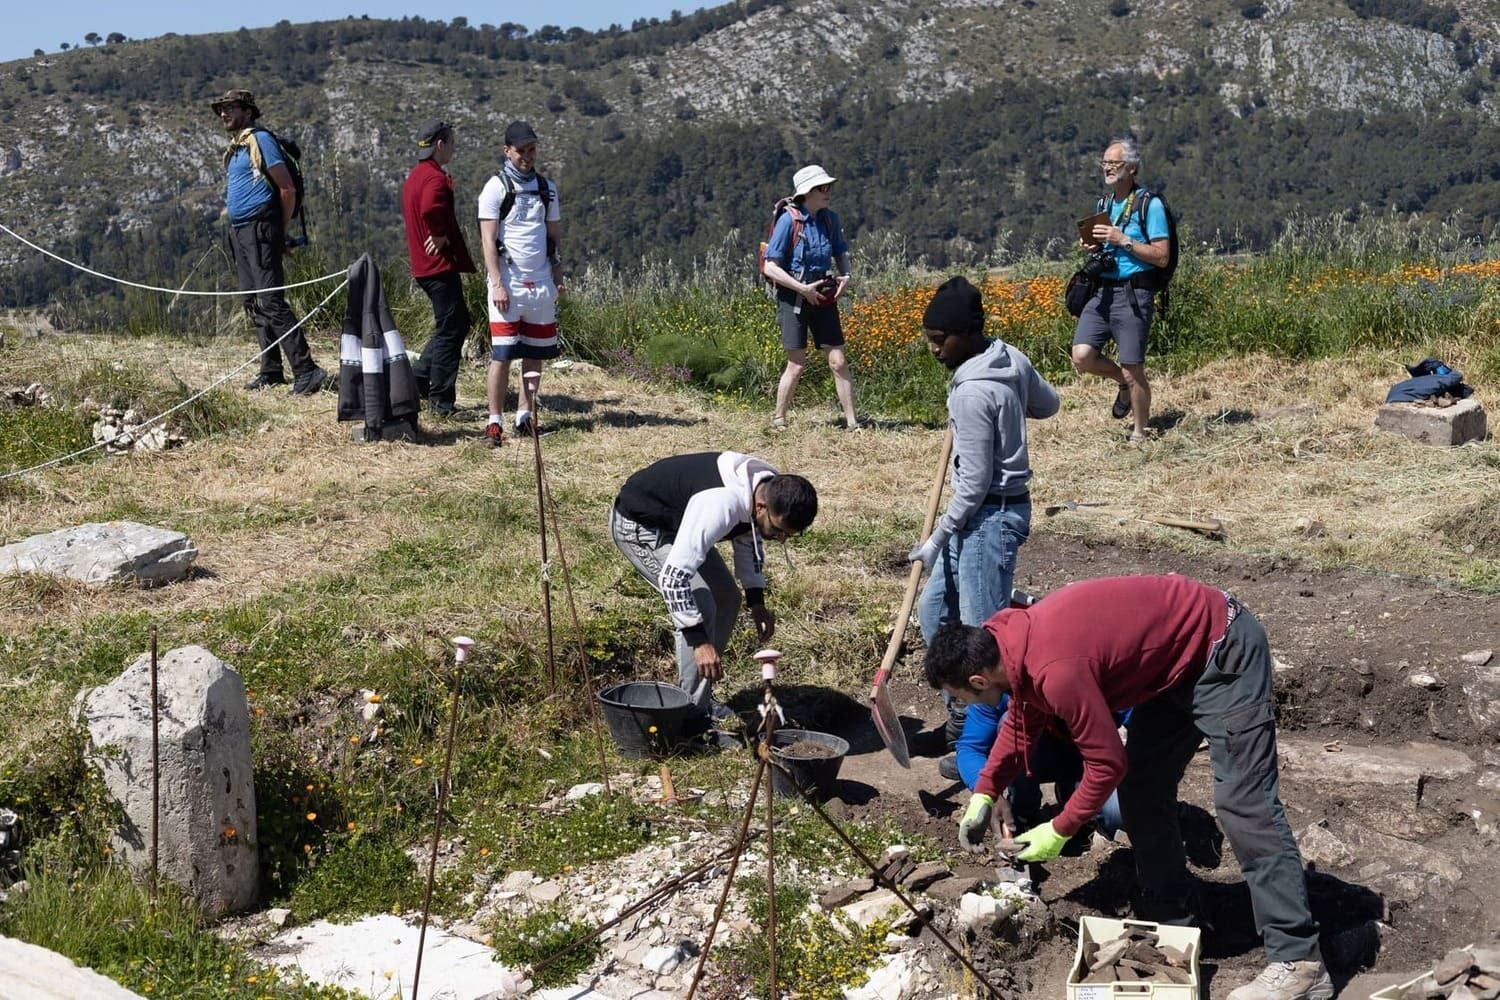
(375, 376)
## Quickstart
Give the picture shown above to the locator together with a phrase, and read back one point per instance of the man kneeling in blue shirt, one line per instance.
(1055, 759)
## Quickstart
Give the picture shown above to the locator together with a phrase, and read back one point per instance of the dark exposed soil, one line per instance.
(806, 750)
(1417, 878)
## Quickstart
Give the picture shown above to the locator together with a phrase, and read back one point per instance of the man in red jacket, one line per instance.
(439, 259)
(1195, 664)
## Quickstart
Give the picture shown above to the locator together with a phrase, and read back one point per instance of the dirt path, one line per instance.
(1387, 783)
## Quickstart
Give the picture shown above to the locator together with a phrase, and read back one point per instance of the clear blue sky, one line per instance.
(46, 25)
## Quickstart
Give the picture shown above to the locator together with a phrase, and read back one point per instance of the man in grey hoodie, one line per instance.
(971, 552)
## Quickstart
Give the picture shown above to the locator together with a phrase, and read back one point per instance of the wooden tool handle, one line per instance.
(1211, 526)
(934, 495)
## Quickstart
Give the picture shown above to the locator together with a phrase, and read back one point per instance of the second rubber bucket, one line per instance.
(813, 759)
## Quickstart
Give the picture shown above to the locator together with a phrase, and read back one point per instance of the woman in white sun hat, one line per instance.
(806, 243)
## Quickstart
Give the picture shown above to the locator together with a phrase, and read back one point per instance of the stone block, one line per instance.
(1398, 767)
(1439, 425)
(104, 553)
(207, 831)
(28, 972)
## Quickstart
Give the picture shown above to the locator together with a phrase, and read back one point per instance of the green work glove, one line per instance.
(1043, 843)
(975, 821)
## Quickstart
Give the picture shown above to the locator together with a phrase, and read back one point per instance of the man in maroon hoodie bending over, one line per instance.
(1194, 663)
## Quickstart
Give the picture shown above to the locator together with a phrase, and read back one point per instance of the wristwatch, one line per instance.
(1130, 247)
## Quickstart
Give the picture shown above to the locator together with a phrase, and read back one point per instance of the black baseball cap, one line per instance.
(428, 136)
(518, 134)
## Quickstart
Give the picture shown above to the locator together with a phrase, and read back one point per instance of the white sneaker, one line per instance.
(1307, 980)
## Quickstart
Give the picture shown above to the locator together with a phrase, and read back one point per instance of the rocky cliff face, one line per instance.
(90, 139)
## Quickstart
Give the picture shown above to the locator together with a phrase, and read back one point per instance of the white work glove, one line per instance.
(926, 553)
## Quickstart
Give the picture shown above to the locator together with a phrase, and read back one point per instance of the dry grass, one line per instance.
(292, 501)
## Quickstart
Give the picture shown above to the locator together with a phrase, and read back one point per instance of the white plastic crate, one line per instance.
(1102, 929)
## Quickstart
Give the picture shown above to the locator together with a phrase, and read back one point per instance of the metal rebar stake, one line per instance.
(734, 864)
(155, 779)
(531, 382)
(770, 710)
(583, 656)
(461, 646)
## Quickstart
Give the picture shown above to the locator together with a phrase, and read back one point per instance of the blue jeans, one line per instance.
(973, 578)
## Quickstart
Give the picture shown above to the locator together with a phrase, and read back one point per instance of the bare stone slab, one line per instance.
(103, 553)
(28, 972)
(1393, 766)
(207, 832)
(1438, 425)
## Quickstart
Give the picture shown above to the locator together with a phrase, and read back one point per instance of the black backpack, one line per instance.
(1154, 279)
(291, 156)
(543, 190)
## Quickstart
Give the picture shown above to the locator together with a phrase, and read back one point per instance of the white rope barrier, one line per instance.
(156, 288)
(195, 396)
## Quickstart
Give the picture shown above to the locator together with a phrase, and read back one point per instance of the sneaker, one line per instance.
(1307, 980)
(1121, 408)
(721, 712)
(948, 767)
(310, 382)
(526, 426)
(494, 437)
(262, 380)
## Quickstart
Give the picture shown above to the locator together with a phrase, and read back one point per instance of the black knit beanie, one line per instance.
(956, 307)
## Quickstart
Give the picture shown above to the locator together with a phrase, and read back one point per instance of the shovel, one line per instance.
(887, 722)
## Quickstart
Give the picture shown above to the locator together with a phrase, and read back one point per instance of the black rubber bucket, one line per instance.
(644, 717)
(813, 760)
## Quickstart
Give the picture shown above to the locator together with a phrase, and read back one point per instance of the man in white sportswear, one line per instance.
(519, 229)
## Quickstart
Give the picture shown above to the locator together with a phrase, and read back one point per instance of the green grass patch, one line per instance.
(817, 957)
(539, 935)
(358, 876)
(30, 435)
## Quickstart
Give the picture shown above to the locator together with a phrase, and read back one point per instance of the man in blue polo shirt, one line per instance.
(1121, 309)
(260, 201)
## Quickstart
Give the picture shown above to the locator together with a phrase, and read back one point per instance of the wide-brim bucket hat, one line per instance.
(809, 177)
(236, 97)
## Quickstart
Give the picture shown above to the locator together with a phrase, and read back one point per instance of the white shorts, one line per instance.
(528, 329)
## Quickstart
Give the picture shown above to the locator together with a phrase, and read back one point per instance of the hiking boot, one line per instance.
(948, 767)
(262, 380)
(1306, 980)
(1121, 408)
(494, 437)
(310, 382)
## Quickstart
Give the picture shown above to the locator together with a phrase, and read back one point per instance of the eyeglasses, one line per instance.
(937, 337)
(1111, 164)
(824, 188)
(777, 532)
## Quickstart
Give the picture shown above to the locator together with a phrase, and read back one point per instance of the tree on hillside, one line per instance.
(65, 46)
(92, 38)
(115, 38)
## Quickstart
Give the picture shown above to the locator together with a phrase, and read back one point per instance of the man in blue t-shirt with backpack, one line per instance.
(1121, 310)
(260, 200)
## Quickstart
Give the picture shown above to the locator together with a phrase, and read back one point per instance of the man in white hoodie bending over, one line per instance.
(972, 550)
(667, 520)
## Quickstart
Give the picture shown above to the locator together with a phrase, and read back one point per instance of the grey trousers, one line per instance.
(257, 248)
(1231, 704)
(714, 590)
